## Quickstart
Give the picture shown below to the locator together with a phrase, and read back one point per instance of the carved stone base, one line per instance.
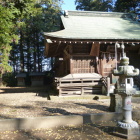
(129, 131)
(131, 125)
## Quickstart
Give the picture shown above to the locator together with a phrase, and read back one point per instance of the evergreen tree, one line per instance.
(7, 36)
(126, 5)
(25, 21)
(21, 11)
(30, 49)
(94, 5)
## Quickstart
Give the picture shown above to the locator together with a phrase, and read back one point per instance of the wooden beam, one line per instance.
(71, 65)
(46, 49)
(57, 48)
(67, 54)
(95, 49)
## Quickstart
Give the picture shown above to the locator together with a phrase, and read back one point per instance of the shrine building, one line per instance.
(88, 47)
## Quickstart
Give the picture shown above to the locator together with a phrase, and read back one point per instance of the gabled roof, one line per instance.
(98, 25)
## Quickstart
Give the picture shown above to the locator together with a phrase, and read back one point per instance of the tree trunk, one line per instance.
(21, 52)
(34, 53)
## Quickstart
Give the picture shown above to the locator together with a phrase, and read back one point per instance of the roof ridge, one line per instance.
(97, 13)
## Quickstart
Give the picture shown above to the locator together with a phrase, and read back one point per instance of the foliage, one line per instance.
(21, 33)
(7, 35)
(94, 5)
(12, 17)
(9, 79)
(27, 55)
(126, 5)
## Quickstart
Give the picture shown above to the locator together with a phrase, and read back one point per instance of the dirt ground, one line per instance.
(20, 105)
(24, 105)
(83, 132)
(100, 131)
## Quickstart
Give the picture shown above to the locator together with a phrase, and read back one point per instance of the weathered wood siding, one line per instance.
(82, 64)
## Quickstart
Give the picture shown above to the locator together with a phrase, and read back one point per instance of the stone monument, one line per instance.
(127, 127)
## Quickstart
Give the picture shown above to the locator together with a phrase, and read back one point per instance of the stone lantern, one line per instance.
(124, 87)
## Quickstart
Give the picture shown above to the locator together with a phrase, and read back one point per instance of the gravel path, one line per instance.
(21, 105)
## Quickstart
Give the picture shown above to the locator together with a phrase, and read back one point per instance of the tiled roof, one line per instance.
(98, 25)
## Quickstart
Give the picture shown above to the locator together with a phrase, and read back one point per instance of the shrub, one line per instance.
(8, 79)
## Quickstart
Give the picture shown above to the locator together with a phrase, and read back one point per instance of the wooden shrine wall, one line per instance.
(77, 59)
(82, 64)
(106, 66)
(107, 63)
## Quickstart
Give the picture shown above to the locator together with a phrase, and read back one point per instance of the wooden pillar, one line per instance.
(60, 91)
(71, 65)
(108, 85)
(82, 90)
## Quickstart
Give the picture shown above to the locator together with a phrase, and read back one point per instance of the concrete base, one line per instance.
(56, 121)
(130, 134)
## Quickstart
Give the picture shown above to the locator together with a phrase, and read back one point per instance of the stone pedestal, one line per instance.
(130, 134)
(127, 128)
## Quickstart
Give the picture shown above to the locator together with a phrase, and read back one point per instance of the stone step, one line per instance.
(138, 92)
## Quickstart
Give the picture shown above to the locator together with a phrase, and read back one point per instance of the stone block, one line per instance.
(130, 134)
(115, 103)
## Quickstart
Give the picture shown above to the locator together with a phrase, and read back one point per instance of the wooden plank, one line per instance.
(90, 91)
(78, 87)
(75, 82)
(67, 54)
(46, 49)
(78, 84)
(78, 80)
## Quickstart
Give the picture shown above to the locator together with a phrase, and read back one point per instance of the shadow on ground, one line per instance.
(94, 106)
(59, 111)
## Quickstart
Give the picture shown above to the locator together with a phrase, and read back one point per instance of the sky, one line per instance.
(69, 5)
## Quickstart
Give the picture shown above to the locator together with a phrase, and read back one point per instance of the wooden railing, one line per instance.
(76, 85)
